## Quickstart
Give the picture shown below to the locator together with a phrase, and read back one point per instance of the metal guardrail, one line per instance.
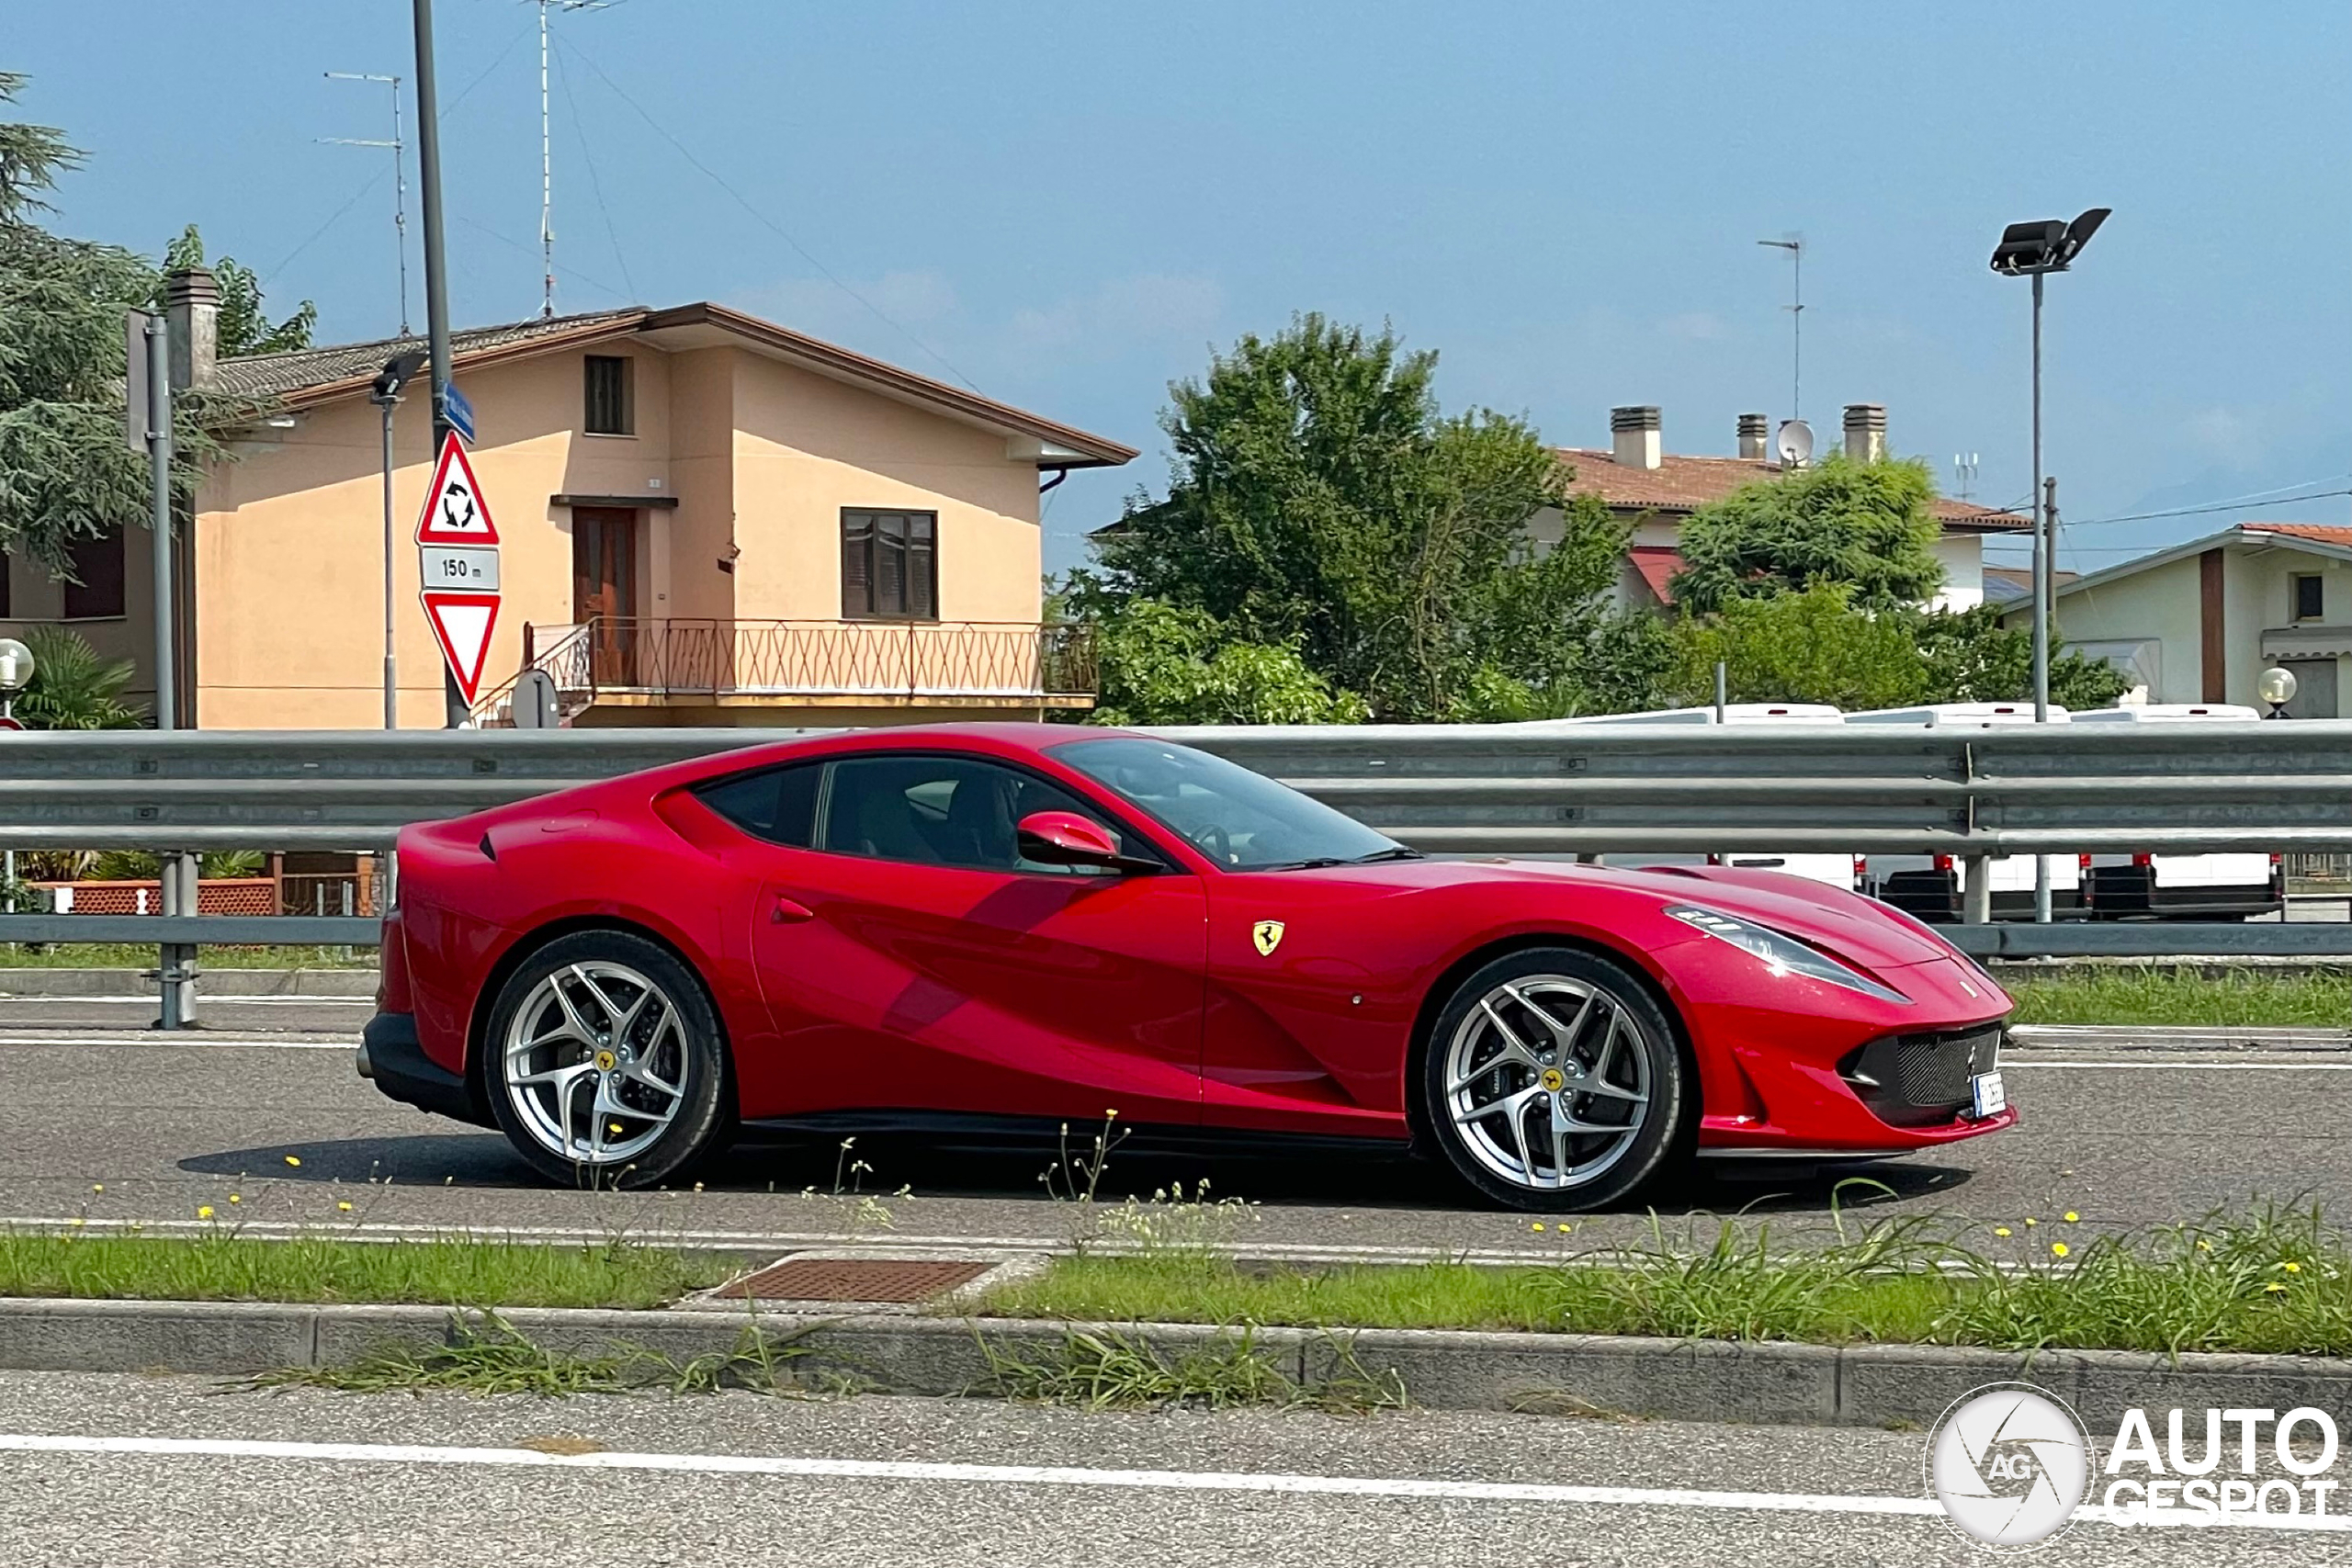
(1552, 789)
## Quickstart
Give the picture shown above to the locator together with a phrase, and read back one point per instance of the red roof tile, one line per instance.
(1682, 485)
(2320, 533)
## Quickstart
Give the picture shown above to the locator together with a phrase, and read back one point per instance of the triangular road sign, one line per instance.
(462, 624)
(454, 511)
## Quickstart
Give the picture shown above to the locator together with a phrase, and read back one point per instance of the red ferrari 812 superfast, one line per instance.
(986, 929)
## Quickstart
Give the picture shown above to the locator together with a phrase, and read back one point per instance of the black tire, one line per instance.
(701, 1116)
(1481, 1154)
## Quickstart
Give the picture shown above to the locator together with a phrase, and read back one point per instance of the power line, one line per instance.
(596, 182)
(2238, 504)
(761, 218)
(567, 271)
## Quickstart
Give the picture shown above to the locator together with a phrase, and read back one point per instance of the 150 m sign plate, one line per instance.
(460, 568)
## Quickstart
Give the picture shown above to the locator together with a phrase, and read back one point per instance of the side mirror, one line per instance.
(1064, 838)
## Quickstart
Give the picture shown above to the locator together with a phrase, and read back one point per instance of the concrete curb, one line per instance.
(67, 983)
(1884, 1386)
(2179, 1037)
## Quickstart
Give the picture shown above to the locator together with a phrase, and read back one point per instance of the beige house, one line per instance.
(2200, 621)
(705, 518)
(1658, 492)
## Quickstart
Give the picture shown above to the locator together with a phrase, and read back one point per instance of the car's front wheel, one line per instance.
(605, 1063)
(1554, 1081)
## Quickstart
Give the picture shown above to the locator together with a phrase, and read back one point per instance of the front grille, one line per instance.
(1920, 1080)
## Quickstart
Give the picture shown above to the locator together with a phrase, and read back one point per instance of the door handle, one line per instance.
(787, 912)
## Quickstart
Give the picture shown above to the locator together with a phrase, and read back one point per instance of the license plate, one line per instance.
(1989, 1098)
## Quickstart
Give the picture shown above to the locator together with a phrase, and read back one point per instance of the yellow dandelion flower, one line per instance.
(1537, 1225)
(204, 1212)
(2273, 1286)
(612, 1127)
(2292, 1268)
(293, 1161)
(342, 1208)
(2072, 1217)
(2059, 1247)
(234, 1198)
(97, 1186)
(2204, 1245)
(2001, 1229)
(2030, 1221)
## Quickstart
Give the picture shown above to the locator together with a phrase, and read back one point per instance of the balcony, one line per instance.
(984, 668)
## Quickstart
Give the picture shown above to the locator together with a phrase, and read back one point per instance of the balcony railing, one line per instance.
(962, 663)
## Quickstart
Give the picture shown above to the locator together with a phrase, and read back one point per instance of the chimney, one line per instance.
(192, 323)
(1755, 437)
(1866, 432)
(1634, 438)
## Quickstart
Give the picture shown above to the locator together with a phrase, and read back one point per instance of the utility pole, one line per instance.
(437, 279)
(400, 172)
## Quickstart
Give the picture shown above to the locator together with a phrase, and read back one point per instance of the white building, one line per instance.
(2200, 621)
(1658, 492)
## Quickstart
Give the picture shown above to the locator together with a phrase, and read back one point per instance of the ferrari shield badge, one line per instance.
(1268, 935)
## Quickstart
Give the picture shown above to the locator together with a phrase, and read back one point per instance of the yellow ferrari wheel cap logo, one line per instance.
(606, 1061)
(1553, 1079)
(1268, 935)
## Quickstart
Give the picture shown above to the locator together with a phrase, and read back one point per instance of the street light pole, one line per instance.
(2041, 548)
(437, 279)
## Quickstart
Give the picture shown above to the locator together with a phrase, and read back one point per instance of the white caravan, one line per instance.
(2222, 887)
(1929, 887)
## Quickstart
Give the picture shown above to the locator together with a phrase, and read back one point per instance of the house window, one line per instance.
(890, 565)
(2310, 602)
(611, 410)
(97, 563)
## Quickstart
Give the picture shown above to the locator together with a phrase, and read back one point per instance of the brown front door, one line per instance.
(604, 588)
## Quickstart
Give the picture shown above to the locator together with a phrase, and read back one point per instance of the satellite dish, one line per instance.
(1796, 443)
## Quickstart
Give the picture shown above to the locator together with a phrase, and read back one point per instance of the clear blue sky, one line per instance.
(1071, 204)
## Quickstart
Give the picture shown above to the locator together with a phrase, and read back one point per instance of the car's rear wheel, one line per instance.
(1554, 1081)
(605, 1063)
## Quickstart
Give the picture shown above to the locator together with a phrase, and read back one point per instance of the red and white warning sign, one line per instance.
(457, 566)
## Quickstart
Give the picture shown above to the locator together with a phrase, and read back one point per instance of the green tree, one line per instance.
(1865, 525)
(244, 328)
(73, 687)
(65, 473)
(1321, 502)
(1163, 664)
(1972, 657)
(1809, 647)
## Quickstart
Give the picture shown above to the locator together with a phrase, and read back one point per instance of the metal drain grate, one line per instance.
(856, 1279)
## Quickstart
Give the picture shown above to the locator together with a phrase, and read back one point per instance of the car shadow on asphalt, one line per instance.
(1283, 1179)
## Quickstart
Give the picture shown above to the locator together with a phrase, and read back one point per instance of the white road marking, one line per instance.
(2008, 1063)
(159, 1038)
(1074, 1475)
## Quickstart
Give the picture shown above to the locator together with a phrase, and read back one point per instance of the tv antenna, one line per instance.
(1963, 472)
(1794, 245)
(400, 171)
(547, 158)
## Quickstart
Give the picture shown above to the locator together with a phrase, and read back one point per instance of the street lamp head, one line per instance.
(16, 666)
(2276, 687)
(2049, 245)
(397, 373)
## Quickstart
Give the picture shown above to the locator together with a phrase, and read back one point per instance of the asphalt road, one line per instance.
(450, 1479)
(2120, 1137)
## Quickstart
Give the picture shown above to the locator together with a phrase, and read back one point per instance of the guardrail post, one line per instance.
(175, 961)
(1976, 889)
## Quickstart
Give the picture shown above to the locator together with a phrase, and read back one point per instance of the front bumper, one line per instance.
(390, 1058)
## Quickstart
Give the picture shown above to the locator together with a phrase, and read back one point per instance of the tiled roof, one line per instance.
(1657, 565)
(2319, 533)
(275, 374)
(1685, 484)
(2005, 584)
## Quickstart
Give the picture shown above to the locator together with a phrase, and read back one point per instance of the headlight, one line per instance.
(1784, 954)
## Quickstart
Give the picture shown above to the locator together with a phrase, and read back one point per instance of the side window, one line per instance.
(775, 804)
(950, 811)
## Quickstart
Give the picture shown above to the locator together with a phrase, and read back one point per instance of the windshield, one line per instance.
(1238, 819)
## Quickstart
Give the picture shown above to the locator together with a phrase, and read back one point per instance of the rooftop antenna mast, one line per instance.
(546, 159)
(400, 171)
(1963, 469)
(1794, 245)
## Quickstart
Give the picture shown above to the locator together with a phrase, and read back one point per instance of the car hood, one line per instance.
(1848, 925)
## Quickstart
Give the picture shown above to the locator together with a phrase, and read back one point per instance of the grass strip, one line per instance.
(452, 1271)
(2278, 1281)
(1106, 1369)
(125, 955)
(2170, 994)
(487, 1355)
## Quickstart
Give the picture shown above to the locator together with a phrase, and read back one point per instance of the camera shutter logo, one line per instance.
(2009, 1462)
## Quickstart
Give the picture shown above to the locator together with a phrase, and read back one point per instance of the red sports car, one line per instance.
(987, 927)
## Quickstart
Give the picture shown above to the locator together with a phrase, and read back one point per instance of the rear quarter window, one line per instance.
(775, 804)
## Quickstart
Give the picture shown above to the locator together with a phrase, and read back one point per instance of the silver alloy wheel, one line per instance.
(596, 1063)
(1547, 1081)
